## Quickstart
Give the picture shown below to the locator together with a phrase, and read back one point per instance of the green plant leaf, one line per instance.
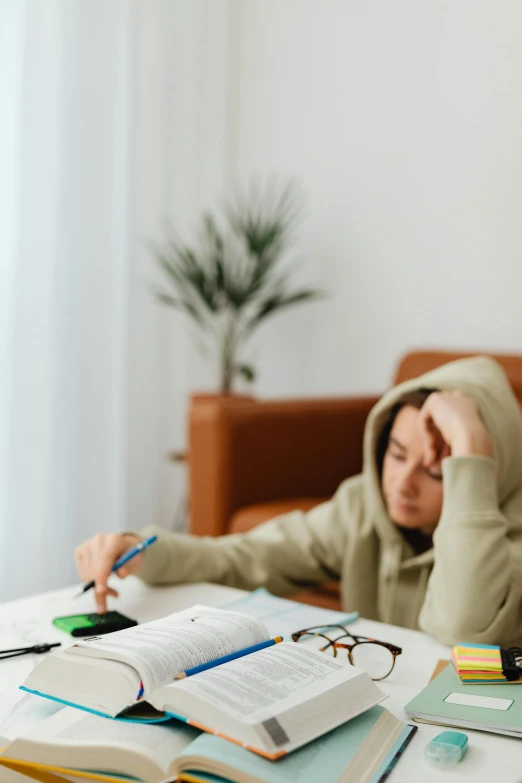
(167, 299)
(183, 304)
(277, 301)
(187, 276)
(265, 214)
(212, 232)
(247, 372)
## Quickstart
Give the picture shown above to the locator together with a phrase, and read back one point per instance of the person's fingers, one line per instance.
(101, 601)
(107, 548)
(95, 559)
(428, 437)
(445, 452)
(432, 450)
(87, 565)
(132, 566)
(85, 557)
(88, 562)
(430, 455)
(101, 596)
(431, 434)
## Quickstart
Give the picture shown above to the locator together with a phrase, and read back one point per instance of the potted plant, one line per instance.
(235, 277)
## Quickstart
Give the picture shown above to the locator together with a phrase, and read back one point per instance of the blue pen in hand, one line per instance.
(122, 560)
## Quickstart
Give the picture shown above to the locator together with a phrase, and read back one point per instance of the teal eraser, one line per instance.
(446, 749)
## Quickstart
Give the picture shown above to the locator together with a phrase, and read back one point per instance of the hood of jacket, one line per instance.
(480, 378)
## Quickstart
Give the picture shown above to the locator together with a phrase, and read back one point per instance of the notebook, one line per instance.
(271, 701)
(448, 702)
(72, 744)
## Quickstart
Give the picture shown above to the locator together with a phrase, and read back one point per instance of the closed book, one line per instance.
(449, 702)
(72, 746)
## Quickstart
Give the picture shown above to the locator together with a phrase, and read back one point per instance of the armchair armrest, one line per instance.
(245, 451)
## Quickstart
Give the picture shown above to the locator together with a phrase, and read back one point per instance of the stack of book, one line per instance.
(279, 714)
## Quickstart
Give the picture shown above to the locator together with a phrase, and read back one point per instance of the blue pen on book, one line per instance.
(230, 657)
(123, 559)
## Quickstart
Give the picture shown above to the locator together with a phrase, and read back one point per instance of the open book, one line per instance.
(71, 744)
(270, 701)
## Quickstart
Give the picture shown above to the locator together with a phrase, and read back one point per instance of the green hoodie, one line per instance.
(467, 587)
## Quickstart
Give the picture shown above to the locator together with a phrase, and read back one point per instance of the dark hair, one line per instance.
(415, 399)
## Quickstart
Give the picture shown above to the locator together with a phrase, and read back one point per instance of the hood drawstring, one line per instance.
(391, 561)
(422, 587)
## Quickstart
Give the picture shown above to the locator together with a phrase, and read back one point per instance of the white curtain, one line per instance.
(105, 131)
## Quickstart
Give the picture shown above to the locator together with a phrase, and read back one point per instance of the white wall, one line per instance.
(403, 122)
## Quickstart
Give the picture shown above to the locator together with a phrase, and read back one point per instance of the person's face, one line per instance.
(412, 494)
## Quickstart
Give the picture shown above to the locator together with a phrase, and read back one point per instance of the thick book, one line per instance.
(72, 744)
(449, 702)
(271, 701)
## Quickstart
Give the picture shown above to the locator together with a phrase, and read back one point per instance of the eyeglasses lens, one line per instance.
(375, 659)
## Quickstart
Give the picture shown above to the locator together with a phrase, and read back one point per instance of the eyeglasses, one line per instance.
(375, 658)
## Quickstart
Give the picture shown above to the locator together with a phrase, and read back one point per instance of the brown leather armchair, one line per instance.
(251, 460)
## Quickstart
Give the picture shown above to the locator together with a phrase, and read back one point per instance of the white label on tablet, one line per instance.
(486, 702)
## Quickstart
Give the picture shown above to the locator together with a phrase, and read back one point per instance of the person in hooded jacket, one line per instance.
(428, 536)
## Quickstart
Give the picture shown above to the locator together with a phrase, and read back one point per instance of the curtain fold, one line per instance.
(94, 375)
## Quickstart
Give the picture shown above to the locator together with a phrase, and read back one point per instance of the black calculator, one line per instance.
(93, 624)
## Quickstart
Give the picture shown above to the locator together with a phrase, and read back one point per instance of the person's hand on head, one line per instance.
(96, 557)
(450, 424)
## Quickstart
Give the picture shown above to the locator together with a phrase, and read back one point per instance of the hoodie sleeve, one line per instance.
(474, 592)
(288, 553)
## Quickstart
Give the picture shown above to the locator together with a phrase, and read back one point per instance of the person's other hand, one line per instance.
(96, 557)
(450, 423)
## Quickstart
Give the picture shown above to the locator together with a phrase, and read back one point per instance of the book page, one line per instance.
(74, 729)
(285, 675)
(161, 649)
(20, 711)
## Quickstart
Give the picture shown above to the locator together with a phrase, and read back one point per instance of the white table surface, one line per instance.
(490, 757)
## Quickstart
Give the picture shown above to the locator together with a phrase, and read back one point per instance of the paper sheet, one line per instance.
(283, 617)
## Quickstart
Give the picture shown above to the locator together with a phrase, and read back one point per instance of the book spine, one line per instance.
(395, 754)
